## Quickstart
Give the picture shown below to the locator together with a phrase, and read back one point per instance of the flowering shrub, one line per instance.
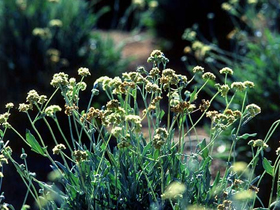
(168, 166)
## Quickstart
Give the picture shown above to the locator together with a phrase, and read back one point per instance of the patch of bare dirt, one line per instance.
(137, 46)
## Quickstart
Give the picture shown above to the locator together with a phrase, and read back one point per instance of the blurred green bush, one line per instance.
(40, 37)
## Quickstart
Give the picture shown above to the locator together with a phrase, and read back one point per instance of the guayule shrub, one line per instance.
(159, 160)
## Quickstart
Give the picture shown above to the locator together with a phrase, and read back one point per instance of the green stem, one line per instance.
(62, 134)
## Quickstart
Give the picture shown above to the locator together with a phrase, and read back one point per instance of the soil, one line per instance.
(136, 46)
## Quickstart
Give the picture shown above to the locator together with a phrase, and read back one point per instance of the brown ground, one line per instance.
(137, 46)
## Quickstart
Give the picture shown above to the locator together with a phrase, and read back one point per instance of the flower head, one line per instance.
(55, 23)
(174, 190)
(160, 137)
(238, 86)
(208, 75)
(32, 97)
(253, 109)
(59, 79)
(82, 86)
(56, 150)
(42, 99)
(9, 105)
(226, 70)
(80, 155)
(157, 57)
(83, 72)
(24, 107)
(52, 109)
(198, 69)
(249, 84)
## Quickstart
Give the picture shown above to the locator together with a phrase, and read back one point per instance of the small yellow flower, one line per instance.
(249, 84)
(42, 99)
(83, 72)
(252, 1)
(59, 79)
(253, 109)
(226, 6)
(239, 167)
(80, 155)
(226, 70)
(260, 143)
(82, 86)
(174, 190)
(55, 23)
(153, 4)
(32, 97)
(244, 195)
(56, 150)
(208, 75)
(52, 109)
(24, 107)
(198, 69)
(238, 86)
(4, 117)
(9, 105)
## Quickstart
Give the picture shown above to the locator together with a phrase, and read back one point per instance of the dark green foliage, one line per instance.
(40, 37)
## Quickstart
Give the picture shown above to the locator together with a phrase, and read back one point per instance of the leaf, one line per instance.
(246, 136)
(146, 149)
(268, 167)
(133, 93)
(203, 148)
(1, 133)
(34, 144)
(162, 113)
(217, 180)
(193, 95)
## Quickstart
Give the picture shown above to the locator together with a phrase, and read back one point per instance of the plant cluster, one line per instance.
(167, 167)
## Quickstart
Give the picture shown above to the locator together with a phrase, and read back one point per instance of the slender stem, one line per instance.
(62, 134)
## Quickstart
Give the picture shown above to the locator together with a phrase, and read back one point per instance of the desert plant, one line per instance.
(168, 166)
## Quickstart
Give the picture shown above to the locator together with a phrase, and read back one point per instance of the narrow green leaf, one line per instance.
(246, 136)
(133, 93)
(146, 149)
(162, 113)
(34, 144)
(193, 95)
(217, 180)
(268, 167)
(1, 133)
(205, 151)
